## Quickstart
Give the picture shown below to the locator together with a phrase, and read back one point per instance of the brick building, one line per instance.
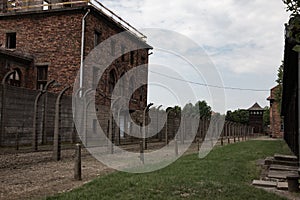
(275, 119)
(48, 40)
(256, 118)
(290, 88)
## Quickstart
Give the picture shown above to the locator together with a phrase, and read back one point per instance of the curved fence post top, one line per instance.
(7, 75)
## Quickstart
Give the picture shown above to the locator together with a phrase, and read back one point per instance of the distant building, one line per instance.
(256, 118)
(276, 126)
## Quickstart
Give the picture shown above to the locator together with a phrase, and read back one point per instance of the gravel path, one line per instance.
(35, 175)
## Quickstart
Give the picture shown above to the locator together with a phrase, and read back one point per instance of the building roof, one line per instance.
(272, 96)
(77, 6)
(15, 55)
(256, 107)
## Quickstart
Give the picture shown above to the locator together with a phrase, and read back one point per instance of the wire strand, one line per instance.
(213, 86)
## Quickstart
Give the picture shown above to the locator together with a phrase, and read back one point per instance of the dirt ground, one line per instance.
(34, 175)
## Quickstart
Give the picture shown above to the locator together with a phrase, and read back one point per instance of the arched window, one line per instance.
(112, 81)
(15, 78)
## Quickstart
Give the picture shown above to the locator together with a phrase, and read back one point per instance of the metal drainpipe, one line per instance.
(82, 48)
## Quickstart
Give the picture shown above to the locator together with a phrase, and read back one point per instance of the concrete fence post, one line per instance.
(77, 163)
(228, 133)
(34, 126)
(3, 106)
(145, 136)
(234, 133)
(57, 136)
(166, 132)
(44, 111)
(142, 159)
(176, 147)
(110, 136)
(239, 132)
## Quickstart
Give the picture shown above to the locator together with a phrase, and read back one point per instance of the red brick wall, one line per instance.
(51, 38)
(275, 119)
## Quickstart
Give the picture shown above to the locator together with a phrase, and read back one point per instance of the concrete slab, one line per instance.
(279, 174)
(285, 157)
(283, 168)
(269, 161)
(273, 161)
(262, 183)
(282, 186)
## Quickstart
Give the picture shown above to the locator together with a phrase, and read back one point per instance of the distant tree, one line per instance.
(266, 116)
(238, 116)
(200, 108)
(177, 110)
(292, 6)
(293, 27)
(188, 109)
(204, 109)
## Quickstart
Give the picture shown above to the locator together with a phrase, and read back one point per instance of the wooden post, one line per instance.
(77, 164)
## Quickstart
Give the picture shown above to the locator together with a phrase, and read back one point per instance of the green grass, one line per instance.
(226, 173)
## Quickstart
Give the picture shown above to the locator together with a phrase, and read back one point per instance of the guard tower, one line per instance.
(256, 118)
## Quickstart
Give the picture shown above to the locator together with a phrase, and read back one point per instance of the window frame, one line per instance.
(11, 44)
(97, 37)
(39, 81)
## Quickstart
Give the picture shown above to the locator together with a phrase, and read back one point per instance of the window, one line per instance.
(15, 78)
(112, 81)
(131, 57)
(42, 75)
(45, 5)
(97, 38)
(11, 41)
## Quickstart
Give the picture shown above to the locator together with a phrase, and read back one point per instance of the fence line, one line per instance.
(17, 119)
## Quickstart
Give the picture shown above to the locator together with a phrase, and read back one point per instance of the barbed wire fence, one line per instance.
(18, 107)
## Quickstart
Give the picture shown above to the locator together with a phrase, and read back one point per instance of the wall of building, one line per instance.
(53, 39)
(275, 118)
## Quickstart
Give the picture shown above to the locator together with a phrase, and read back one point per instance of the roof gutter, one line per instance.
(82, 48)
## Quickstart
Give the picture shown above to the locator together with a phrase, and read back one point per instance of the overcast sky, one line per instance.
(244, 40)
